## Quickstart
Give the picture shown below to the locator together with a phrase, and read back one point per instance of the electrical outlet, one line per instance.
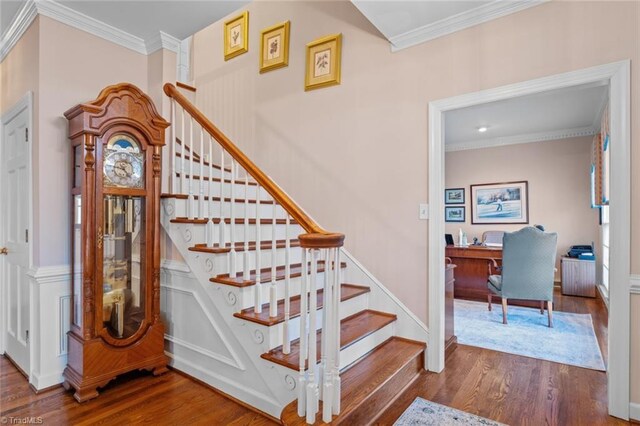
(424, 212)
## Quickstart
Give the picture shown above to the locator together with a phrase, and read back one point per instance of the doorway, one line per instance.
(15, 227)
(617, 76)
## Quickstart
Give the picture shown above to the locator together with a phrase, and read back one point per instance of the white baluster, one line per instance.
(172, 148)
(273, 293)
(312, 385)
(327, 340)
(302, 379)
(258, 286)
(232, 218)
(210, 226)
(191, 211)
(221, 226)
(183, 158)
(202, 174)
(286, 344)
(336, 327)
(245, 256)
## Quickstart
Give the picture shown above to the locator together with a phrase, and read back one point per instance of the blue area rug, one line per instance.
(572, 339)
(423, 412)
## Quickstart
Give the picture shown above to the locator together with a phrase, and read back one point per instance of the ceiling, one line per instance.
(557, 114)
(179, 19)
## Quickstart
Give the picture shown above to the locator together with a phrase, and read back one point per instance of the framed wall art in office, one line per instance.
(454, 196)
(454, 214)
(500, 203)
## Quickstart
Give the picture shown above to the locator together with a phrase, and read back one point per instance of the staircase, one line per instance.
(264, 304)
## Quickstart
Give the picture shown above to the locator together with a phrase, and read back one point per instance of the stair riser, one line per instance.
(274, 334)
(238, 188)
(197, 232)
(206, 171)
(218, 264)
(353, 352)
(209, 210)
(246, 295)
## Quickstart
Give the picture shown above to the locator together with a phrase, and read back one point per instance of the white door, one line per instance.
(14, 232)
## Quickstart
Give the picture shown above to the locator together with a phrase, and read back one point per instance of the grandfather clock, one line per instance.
(116, 145)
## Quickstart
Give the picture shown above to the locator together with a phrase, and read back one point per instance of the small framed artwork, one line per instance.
(454, 214)
(500, 203)
(454, 196)
(236, 36)
(323, 62)
(274, 47)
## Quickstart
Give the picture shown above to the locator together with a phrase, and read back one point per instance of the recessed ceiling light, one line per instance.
(483, 129)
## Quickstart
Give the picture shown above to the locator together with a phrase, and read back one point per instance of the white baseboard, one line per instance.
(43, 382)
(634, 411)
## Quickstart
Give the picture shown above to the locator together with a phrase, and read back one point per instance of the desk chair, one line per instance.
(492, 237)
(528, 266)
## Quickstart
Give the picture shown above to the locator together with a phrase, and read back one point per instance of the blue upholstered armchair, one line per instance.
(528, 267)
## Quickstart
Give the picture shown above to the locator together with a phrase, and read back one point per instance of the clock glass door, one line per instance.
(124, 254)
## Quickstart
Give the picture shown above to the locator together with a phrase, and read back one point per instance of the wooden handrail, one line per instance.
(316, 236)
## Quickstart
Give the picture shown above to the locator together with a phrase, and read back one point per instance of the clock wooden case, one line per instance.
(116, 145)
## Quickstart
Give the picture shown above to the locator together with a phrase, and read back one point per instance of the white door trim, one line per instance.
(26, 102)
(618, 76)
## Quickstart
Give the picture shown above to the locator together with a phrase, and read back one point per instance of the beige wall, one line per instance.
(559, 183)
(355, 155)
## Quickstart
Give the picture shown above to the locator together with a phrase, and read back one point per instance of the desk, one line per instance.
(472, 272)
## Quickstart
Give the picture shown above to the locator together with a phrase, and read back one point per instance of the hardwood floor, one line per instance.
(510, 389)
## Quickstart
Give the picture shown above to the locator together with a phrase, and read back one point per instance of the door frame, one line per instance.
(617, 74)
(26, 102)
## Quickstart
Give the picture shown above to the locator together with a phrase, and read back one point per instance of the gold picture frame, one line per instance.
(323, 62)
(274, 47)
(236, 36)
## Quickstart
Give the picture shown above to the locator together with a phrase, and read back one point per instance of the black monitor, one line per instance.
(448, 239)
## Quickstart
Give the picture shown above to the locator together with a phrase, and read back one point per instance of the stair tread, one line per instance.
(238, 221)
(347, 291)
(265, 275)
(215, 179)
(364, 378)
(264, 245)
(352, 329)
(216, 199)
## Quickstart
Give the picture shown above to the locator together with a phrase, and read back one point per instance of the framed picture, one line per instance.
(500, 203)
(236, 36)
(323, 62)
(454, 214)
(274, 47)
(454, 196)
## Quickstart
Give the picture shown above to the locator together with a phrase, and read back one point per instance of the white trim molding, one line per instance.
(617, 74)
(634, 411)
(520, 139)
(50, 274)
(80, 21)
(634, 288)
(479, 15)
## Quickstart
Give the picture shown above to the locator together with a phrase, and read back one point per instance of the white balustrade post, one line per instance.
(221, 226)
(210, 226)
(183, 157)
(232, 223)
(191, 211)
(312, 385)
(246, 272)
(302, 379)
(258, 286)
(286, 344)
(202, 174)
(327, 340)
(273, 293)
(172, 148)
(336, 327)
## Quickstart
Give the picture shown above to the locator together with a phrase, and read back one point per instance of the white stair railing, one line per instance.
(320, 249)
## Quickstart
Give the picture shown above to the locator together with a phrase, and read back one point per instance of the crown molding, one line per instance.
(520, 139)
(80, 21)
(461, 21)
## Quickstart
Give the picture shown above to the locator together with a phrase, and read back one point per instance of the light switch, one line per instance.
(424, 211)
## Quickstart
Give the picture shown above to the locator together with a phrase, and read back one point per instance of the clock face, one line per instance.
(123, 164)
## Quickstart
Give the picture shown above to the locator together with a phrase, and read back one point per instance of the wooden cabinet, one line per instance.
(449, 324)
(578, 277)
(116, 145)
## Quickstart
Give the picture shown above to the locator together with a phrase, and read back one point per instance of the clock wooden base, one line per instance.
(94, 363)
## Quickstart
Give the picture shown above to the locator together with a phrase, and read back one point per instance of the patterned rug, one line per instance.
(423, 412)
(571, 341)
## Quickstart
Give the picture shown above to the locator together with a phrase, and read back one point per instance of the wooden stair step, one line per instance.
(239, 246)
(265, 275)
(205, 163)
(238, 221)
(216, 179)
(352, 329)
(347, 291)
(370, 384)
(215, 199)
